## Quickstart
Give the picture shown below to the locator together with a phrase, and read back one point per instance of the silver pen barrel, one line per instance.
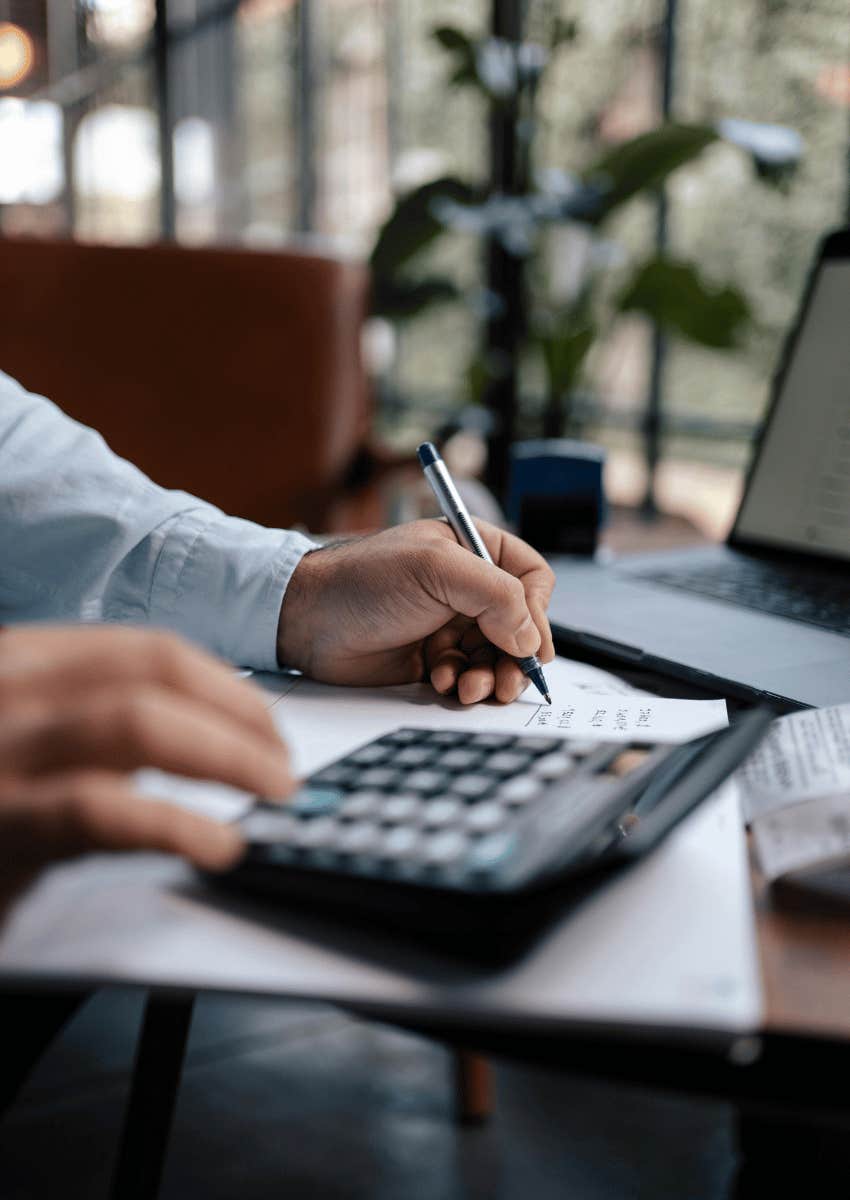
(455, 512)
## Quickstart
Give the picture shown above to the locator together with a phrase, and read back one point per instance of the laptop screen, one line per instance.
(798, 495)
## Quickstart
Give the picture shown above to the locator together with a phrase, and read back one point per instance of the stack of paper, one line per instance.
(795, 791)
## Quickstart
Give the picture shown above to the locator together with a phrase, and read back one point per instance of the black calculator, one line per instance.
(474, 842)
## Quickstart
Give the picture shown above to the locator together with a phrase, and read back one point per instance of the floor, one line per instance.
(301, 1101)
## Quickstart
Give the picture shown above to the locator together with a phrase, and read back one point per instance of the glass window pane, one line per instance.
(781, 63)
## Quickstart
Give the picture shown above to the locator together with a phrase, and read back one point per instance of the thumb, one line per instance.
(492, 597)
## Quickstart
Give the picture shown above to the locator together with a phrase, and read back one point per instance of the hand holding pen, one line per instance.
(457, 515)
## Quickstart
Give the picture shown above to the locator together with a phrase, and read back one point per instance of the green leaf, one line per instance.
(673, 294)
(414, 223)
(463, 51)
(564, 30)
(400, 299)
(564, 351)
(453, 39)
(643, 163)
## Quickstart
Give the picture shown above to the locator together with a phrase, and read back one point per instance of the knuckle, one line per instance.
(427, 560)
(164, 653)
(514, 591)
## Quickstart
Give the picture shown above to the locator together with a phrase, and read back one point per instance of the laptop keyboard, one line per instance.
(799, 595)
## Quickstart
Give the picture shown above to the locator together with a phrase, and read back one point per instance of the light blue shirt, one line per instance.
(85, 536)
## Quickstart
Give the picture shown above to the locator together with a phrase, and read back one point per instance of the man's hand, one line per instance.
(81, 707)
(412, 604)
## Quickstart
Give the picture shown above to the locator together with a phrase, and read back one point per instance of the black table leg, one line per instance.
(789, 1157)
(28, 1024)
(153, 1094)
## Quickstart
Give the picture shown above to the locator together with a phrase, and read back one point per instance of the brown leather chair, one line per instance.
(233, 374)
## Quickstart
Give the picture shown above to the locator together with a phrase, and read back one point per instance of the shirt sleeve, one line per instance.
(86, 536)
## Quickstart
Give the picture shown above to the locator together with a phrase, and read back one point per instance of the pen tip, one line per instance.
(548, 697)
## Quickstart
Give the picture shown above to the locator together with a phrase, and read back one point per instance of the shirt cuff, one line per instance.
(221, 581)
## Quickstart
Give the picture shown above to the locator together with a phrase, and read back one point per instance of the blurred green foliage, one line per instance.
(561, 329)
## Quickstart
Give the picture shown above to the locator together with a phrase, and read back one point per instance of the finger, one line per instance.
(495, 599)
(149, 726)
(477, 682)
(519, 559)
(446, 671)
(537, 608)
(63, 816)
(473, 639)
(444, 658)
(510, 681)
(59, 663)
(516, 556)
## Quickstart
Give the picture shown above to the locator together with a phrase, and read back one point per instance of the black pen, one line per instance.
(455, 512)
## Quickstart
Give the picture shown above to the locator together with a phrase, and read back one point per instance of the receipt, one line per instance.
(803, 755)
(814, 833)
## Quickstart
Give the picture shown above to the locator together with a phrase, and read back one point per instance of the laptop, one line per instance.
(767, 614)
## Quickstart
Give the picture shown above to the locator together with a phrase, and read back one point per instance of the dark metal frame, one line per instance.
(652, 427)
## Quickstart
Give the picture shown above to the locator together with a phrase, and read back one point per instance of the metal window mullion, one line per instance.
(653, 422)
(307, 82)
(165, 120)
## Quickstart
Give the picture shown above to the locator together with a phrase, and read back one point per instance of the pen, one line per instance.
(455, 512)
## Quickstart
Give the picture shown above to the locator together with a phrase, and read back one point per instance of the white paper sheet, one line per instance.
(321, 723)
(805, 754)
(802, 835)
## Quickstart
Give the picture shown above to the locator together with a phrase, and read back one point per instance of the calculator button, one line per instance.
(484, 818)
(492, 852)
(279, 853)
(442, 812)
(426, 782)
(507, 762)
(377, 777)
(537, 745)
(397, 809)
(552, 766)
(360, 804)
(400, 843)
(520, 790)
(360, 838)
(261, 826)
(472, 787)
(460, 760)
(445, 848)
(445, 738)
(401, 737)
(312, 834)
(491, 741)
(370, 755)
(314, 801)
(413, 756)
(336, 775)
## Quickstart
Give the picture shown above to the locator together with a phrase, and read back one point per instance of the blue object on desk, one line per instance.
(555, 496)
